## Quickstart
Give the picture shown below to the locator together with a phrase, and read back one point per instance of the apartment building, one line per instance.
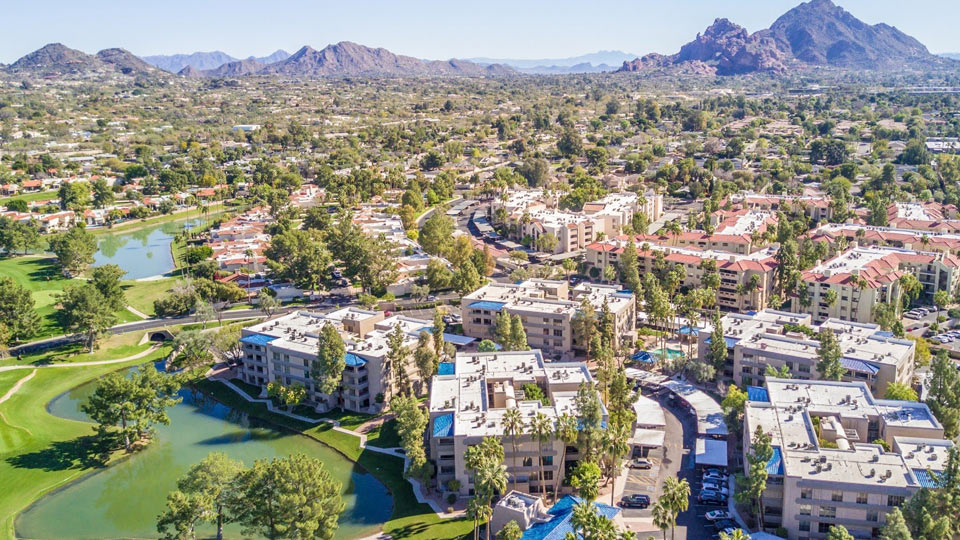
(862, 276)
(826, 469)
(468, 399)
(284, 349)
(947, 242)
(816, 208)
(546, 308)
(777, 338)
(746, 280)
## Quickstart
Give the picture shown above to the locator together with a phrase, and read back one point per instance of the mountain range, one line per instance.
(596, 62)
(57, 59)
(815, 33)
(207, 60)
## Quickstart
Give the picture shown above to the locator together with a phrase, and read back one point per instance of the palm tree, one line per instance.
(617, 446)
(541, 430)
(663, 516)
(478, 511)
(492, 477)
(565, 430)
(677, 494)
(583, 519)
(513, 427)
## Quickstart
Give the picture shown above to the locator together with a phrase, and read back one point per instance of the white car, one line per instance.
(715, 487)
(714, 476)
(714, 515)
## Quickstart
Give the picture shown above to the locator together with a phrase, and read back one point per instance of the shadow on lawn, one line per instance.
(81, 453)
(413, 529)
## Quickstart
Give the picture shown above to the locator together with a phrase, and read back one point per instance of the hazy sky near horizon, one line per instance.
(426, 28)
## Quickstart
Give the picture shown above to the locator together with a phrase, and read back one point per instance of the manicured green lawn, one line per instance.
(40, 452)
(43, 278)
(30, 197)
(410, 519)
(385, 436)
(118, 346)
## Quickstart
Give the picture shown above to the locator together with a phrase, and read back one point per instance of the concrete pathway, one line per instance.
(137, 312)
(17, 386)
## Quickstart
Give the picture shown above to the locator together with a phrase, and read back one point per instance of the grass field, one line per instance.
(31, 197)
(410, 520)
(40, 452)
(117, 346)
(41, 276)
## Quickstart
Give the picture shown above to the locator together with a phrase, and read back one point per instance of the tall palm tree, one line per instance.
(492, 478)
(478, 511)
(677, 494)
(663, 516)
(541, 430)
(616, 445)
(513, 427)
(565, 430)
(584, 518)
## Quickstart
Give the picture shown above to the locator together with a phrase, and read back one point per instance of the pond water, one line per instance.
(142, 253)
(123, 501)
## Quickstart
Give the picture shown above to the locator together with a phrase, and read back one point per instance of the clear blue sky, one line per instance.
(424, 28)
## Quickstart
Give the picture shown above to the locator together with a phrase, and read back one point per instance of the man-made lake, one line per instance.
(142, 253)
(123, 500)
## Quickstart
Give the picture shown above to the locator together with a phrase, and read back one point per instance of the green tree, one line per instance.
(541, 430)
(511, 531)
(750, 488)
(838, 532)
(896, 527)
(106, 279)
(398, 355)
(74, 249)
(327, 369)
(513, 427)
(299, 256)
(734, 405)
(425, 358)
(518, 336)
(83, 310)
(17, 311)
(586, 478)
(829, 355)
(466, 279)
(486, 345)
(183, 513)
(718, 345)
(208, 486)
(900, 391)
(677, 494)
(584, 325)
(503, 330)
(436, 233)
(293, 497)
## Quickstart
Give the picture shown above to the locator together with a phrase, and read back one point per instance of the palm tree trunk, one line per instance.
(543, 492)
(556, 481)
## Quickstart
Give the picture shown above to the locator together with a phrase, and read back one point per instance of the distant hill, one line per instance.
(815, 33)
(350, 59)
(175, 63)
(952, 56)
(588, 63)
(58, 59)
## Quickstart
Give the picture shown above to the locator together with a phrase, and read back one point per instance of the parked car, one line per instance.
(712, 475)
(714, 470)
(640, 463)
(707, 491)
(711, 498)
(715, 486)
(635, 500)
(717, 515)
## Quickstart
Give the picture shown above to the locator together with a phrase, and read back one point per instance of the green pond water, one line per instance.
(141, 253)
(123, 500)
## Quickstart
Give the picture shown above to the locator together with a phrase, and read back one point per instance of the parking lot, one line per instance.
(674, 460)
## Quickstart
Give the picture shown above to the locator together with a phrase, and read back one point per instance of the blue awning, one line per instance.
(257, 339)
(354, 360)
(883, 333)
(446, 368)
(487, 304)
(775, 465)
(926, 479)
(645, 357)
(731, 342)
(859, 365)
(443, 426)
(758, 393)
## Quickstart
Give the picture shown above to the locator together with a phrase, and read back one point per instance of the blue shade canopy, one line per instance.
(775, 465)
(487, 304)
(925, 477)
(443, 426)
(758, 393)
(354, 360)
(257, 339)
(859, 366)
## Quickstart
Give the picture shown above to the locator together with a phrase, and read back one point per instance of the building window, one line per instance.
(546, 461)
(894, 500)
(804, 525)
(806, 493)
(837, 496)
(528, 462)
(872, 515)
(823, 528)
(828, 512)
(805, 510)
(861, 498)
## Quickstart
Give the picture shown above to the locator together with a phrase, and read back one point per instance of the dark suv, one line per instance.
(635, 500)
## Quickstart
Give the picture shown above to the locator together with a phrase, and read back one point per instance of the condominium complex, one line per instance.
(816, 208)
(863, 276)
(778, 338)
(828, 467)
(468, 400)
(546, 308)
(948, 242)
(746, 281)
(284, 350)
(532, 215)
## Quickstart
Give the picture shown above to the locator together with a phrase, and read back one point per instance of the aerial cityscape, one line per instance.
(260, 283)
